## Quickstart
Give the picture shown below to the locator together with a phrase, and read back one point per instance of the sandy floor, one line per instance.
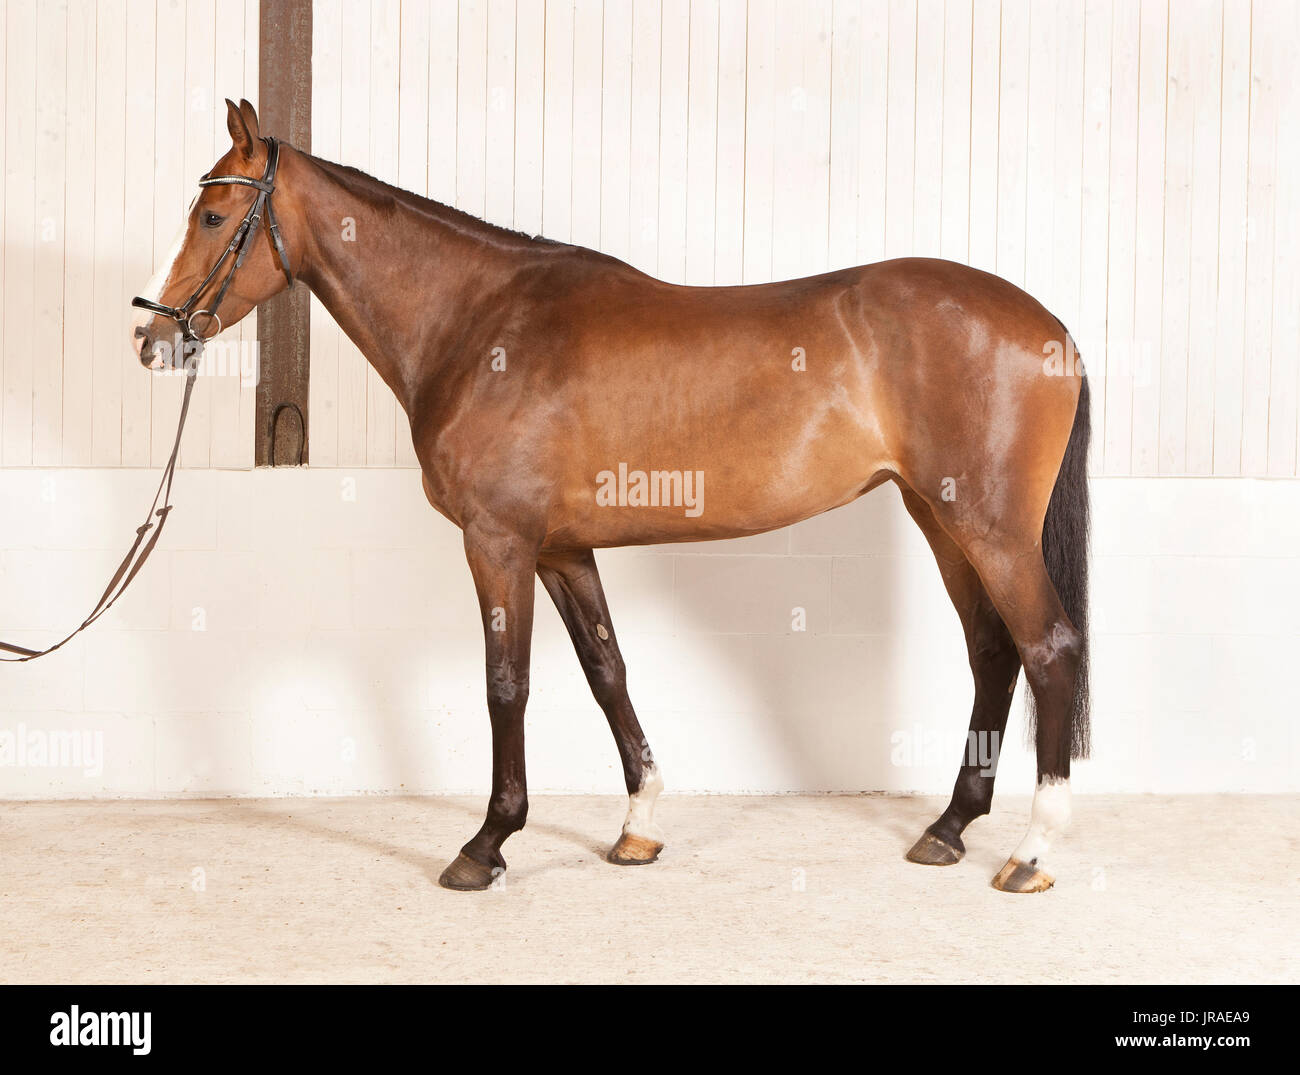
(801, 889)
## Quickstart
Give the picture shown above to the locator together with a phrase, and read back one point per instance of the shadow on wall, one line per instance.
(316, 632)
(802, 659)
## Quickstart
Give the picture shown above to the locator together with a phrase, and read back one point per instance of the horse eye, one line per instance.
(213, 220)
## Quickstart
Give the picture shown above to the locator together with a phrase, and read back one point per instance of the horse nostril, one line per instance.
(144, 345)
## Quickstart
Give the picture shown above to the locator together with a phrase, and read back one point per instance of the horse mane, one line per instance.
(381, 190)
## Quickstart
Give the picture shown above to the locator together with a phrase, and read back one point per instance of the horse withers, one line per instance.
(509, 354)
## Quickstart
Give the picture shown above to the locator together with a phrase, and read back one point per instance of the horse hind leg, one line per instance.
(574, 585)
(1052, 650)
(994, 665)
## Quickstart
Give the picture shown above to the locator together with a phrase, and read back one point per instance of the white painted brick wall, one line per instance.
(340, 649)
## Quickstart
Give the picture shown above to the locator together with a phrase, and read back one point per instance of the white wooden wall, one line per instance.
(110, 113)
(1131, 163)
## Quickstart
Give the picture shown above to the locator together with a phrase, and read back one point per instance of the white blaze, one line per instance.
(1047, 819)
(154, 288)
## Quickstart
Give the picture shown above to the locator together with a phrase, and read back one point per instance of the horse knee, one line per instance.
(1052, 663)
(607, 677)
(508, 809)
(507, 689)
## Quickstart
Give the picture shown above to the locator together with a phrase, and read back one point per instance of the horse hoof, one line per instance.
(634, 850)
(929, 850)
(466, 875)
(1017, 876)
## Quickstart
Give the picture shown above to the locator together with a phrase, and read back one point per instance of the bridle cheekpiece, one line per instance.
(239, 245)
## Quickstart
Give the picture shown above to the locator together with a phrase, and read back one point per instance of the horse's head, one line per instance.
(228, 258)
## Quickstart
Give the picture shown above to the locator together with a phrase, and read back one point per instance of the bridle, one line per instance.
(239, 245)
(192, 347)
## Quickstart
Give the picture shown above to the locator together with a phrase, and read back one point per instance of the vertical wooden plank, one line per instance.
(701, 141)
(789, 178)
(729, 210)
(675, 64)
(1267, 66)
(900, 137)
(326, 337)
(412, 151)
(20, 232)
(51, 119)
(173, 189)
(986, 37)
(1067, 205)
(954, 212)
(760, 143)
(4, 168)
(108, 364)
(801, 189)
(1180, 128)
(249, 373)
(1230, 296)
(444, 48)
(1283, 427)
(499, 118)
(927, 204)
(1207, 88)
(530, 86)
(354, 150)
(201, 126)
(1149, 240)
(1121, 247)
(1091, 336)
(137, 242)
(816, 82)
(644, 147)
(616, 132)
(557, 144)
(873, 114)
(221, 357)
(471, 108)
(587, 33)
(1013, 130)
(846, 150)
(1040, 162)
(284, 326)
(385, 29)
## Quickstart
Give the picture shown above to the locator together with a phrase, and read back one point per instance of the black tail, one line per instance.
(1065, 551)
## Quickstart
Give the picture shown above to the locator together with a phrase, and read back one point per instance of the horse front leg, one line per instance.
(502, 564)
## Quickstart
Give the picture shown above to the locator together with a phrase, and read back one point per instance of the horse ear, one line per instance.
(243, 138)
(250, 118)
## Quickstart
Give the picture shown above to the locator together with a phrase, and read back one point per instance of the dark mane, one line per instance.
(380, 190)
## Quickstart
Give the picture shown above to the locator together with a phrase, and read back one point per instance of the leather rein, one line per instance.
(192, 341)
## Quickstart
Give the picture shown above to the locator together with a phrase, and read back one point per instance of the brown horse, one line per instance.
(561, 401)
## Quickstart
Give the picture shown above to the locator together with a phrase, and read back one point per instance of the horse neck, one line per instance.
(397, 272)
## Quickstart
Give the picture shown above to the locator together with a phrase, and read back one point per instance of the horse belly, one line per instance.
(728, 483)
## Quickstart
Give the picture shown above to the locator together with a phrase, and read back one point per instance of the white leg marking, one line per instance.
(641, 807)
(1047, 819)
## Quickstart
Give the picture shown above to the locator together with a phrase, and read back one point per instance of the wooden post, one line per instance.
(284, 323)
